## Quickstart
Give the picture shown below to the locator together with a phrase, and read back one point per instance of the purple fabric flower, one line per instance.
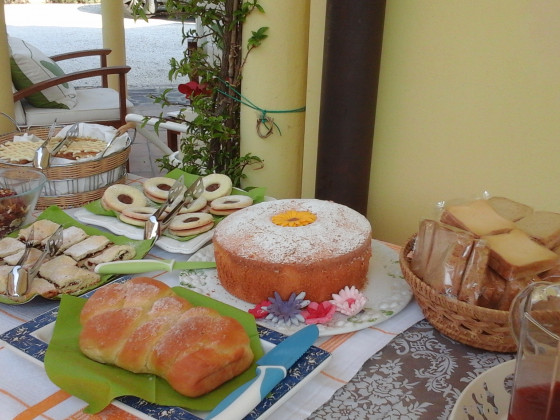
(287, 312)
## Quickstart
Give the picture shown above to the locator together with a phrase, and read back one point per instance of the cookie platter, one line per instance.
(95, 213)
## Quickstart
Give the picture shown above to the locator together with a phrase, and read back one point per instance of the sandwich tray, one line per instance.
(57, 215)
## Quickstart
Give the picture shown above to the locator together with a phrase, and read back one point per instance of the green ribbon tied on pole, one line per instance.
(264, 120)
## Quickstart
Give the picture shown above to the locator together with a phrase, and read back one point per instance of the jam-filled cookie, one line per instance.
(118, 197)
(136, 216)
(216, 185)
(191, 224)
(198, 205)
(231, 203)
(157, 188)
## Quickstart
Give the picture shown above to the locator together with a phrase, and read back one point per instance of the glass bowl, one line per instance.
(20, 189)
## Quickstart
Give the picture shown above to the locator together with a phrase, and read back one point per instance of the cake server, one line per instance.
(271, 369)
(143, 266)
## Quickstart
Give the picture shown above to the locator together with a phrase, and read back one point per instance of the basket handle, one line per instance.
(124, 128)
(12, 120)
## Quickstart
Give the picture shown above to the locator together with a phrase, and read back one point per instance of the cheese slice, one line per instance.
(514, 255)
(477, 217)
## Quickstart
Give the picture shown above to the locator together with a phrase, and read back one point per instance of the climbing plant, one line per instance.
(212, 62)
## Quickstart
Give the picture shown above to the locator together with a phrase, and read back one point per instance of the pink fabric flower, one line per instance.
(259, 310)
(192, 89)
(319, 313)
(349, 301)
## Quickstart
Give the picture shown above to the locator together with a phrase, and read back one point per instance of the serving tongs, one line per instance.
(120, 131)
(21, 278)
(14, 283)
(45, 158)
(42, 155)
(178, 197)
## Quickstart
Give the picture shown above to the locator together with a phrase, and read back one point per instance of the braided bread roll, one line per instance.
(144, 327)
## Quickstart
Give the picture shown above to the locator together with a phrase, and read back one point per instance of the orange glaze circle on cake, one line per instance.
(256, 257)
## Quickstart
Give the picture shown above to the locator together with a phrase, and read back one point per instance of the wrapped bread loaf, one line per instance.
(440, 256)
(145, 327)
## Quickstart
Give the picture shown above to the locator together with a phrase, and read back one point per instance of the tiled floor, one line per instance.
(143, 155)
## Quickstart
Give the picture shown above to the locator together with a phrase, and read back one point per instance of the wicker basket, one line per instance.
(81, 182)
(475, 326)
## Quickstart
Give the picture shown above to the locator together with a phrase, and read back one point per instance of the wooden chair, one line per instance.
(101, 105)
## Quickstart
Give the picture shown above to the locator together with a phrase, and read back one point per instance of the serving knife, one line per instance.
(143, 266)
(271, 369)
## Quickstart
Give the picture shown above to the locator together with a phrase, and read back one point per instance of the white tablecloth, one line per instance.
(26, 392)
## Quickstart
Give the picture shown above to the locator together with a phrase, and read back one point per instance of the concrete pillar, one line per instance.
(112, 18)
(6, 98)
(274, 78)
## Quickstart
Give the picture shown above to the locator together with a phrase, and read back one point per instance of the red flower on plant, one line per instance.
(193, 89)
(319, 313)
(258, 311)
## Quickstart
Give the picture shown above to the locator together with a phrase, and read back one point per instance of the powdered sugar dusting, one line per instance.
(250, 232)
(169, 304)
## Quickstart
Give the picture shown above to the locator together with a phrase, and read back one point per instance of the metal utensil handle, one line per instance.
(188, 194)
(50, 134)
(18, 284)
(28, 246)
(174, 192)
(72, 133)
(154, 225)
(51, 248)
(120, 131)
(51, 131)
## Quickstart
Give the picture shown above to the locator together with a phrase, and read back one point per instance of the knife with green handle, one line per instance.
(144, 266)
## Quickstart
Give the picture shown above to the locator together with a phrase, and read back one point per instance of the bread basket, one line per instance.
(479, 327)
(78, 183)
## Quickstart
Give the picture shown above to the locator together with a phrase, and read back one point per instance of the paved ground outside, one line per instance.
(56, 28)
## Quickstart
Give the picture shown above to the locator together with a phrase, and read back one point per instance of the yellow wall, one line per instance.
(469, 101)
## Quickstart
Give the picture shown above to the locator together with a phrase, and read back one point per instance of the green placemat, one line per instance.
(98, 384)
